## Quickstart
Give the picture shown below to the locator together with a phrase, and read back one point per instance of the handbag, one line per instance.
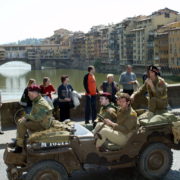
(23, 101)
(71, 104)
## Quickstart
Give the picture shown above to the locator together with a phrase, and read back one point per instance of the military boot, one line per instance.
(12, 144)
(18, 149)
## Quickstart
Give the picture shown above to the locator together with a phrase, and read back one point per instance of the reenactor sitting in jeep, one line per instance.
(157, 92)
(39, 119)
(119, 132)
(107, 111)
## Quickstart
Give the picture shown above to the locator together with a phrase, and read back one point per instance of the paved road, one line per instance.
(125, 174)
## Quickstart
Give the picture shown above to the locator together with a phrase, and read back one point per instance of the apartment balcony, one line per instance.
(139, 62)
(122, 62)
(150, 45)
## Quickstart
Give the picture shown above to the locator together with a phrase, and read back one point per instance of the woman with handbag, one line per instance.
(65, 98)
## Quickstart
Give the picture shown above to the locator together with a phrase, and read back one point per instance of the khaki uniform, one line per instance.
(127, 123)
(158, 100)
(39, 119)
(107, 112)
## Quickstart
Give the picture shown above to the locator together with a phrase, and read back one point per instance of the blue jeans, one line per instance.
(90, 108)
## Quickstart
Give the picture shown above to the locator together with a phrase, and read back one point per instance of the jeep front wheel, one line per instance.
(155, 161)
(48, 169)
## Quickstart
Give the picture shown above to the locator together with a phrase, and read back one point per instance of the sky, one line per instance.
(21, 19)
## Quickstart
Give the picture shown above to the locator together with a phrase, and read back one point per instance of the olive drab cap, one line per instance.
(35, 88)
(122, 95)
(106, 94)
(153, 68)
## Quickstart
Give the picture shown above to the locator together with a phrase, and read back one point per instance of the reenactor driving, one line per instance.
(157, 92)
(39, 119)
(120, 131)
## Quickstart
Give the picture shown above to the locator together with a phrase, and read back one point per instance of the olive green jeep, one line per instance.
(55, 154)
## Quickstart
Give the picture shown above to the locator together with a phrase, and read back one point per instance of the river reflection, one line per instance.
(14, 77)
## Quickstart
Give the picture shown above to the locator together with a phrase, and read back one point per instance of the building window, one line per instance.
(166, 15)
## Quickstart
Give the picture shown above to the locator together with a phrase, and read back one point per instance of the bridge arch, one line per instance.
(16, 63)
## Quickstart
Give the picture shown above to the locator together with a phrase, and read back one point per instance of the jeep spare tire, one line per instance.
(155, 161)
(47, 169)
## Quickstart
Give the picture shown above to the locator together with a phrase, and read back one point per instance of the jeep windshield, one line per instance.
(82, 132)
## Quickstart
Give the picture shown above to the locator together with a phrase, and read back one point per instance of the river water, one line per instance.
(15, 75)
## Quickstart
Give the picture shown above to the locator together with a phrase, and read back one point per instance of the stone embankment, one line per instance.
(9, 109)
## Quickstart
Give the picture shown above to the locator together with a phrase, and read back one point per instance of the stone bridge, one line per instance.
(36, 64)
(52, 55)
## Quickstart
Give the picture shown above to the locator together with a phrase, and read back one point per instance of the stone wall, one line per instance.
(9, 108)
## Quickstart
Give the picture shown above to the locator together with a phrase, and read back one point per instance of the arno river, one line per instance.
(14, 77)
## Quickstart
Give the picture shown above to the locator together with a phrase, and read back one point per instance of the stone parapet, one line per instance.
(9, 108)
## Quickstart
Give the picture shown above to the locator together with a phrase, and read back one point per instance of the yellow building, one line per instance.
(174, 47)
(104, 44)
(161, 49)
(89, 46)
(96, 43)
(167, 45)
(78, 46)
(145, 30)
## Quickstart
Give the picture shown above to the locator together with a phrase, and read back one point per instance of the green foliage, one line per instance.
(29, 41)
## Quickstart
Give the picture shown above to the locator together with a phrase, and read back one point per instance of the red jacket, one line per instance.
(90, 84)
(47, 90)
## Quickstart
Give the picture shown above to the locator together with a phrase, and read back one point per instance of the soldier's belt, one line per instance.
(163, 97)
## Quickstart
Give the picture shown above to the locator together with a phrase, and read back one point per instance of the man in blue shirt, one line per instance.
(127, 80)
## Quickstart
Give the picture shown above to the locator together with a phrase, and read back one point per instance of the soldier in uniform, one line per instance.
(107, 111)
(39, 119)
(119, 132)
(157, 91)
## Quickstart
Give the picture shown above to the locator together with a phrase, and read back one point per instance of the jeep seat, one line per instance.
(159, 119)
(140, 111)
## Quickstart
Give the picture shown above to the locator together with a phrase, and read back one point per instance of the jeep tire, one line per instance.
(47, 169)
(155, 161)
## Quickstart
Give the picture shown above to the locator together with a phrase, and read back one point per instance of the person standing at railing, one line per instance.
(65, 98)
(127, 80)
(90, 87)
(47, 89)
(110, 86)
(25, 100)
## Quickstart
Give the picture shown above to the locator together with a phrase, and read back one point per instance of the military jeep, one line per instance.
(57, 155)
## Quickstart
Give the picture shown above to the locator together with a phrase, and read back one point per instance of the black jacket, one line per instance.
(64, 91)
